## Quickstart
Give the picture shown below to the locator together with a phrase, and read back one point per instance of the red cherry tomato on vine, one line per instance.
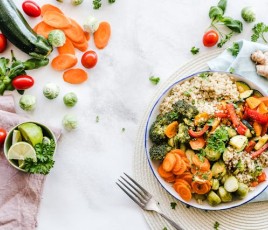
(31, 9)
(3, 43)
(89, 59)
(3, 134)
(22, 82)
(210, 38)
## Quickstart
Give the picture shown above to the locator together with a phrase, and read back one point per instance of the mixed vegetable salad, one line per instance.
(215, 157)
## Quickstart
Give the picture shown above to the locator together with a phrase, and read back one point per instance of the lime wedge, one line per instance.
(31, 133)
(21, 163)
(21, 151)
(16, 137)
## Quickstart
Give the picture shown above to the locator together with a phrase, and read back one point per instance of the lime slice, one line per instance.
(31, 132)
(16, 137)
(21, 151)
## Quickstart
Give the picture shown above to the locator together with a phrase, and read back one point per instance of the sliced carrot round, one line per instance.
(56, 19)
(102, 35)
(49, 7)
(201, 187)
(183, 190)
(64, 61)
(172, 129)
(75, 76)
(169, 162)
(201, 162)
(67, 48)
(182, 169)
(179, 152)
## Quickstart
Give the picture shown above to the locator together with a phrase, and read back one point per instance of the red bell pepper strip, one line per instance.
(256, 116)
(260, 151)
(264, 129)
(221, 114)
(234, 118)
(241, 128)
(261, 177)
(198, 133)
(250, 146)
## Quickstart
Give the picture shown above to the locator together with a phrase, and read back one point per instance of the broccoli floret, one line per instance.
(183, 134)
(185, 109)
(157, 130)
(158, 152)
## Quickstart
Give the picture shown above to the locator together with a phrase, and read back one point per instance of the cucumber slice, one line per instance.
(242, 86)
(231, 184)
(262, 141)
(239, 142)
(246, 94)
(257, 93)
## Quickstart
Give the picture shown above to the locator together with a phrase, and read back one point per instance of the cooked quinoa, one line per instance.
(204, 91)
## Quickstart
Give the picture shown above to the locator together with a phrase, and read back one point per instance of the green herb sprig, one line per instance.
(194, 50)
(154, 80)
(234, 49)
(259, 30)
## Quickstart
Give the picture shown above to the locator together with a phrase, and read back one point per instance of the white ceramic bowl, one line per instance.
(8, 141)
(154, 165)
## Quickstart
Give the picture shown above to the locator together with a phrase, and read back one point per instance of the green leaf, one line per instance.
(234, 49)
(154, 80)
(194, 50)
(215, 12)
(222, 4)
(234, 25)
(258, 32)
(225, 39)
(173, 205)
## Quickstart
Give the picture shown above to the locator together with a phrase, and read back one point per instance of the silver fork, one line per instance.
(142, 197)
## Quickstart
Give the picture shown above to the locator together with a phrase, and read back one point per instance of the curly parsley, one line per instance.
(173, 205)
(97, 3)
(194, 50)
(258, 32)
(216, 225)
(44, 155)
(234, 49)
(154, 80)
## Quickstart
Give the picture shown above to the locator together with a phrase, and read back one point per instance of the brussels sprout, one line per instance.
(242, 190)
(91, 24)
(69, 122)
(212, 154)
(27, 102)
(224, 195)
(213, 198)
(76, 2)
(218, 169)
(248, 14)
(56, 38)
(51, 90)
(215, 184)
(199, 198)
(231, 184)
(70, 99)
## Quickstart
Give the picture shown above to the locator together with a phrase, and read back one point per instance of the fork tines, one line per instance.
(135, 191)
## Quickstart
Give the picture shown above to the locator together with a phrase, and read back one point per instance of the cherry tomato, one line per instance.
(22, 82)
(89, 59)
(3, 134)
(31, 9)
(3, 43)
(210, 38)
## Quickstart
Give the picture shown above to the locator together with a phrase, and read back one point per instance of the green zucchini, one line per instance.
(242, 86)
(246, 94)
(257, 93)
(17, 30)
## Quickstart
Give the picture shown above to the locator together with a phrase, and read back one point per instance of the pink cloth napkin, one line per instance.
(20, 193)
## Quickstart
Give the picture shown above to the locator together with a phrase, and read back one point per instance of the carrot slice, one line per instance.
(201, 187)
(201, 162)
(177, 165)
(197, 143)
(179, 152)
(75, 32)
(87, 35)
(169, 162)
(43, 29)
(75, 76)
(56, 19)
(49, 7)
(172, 129)
(183, 190)
(187, 176)
(257, 128)
(164, 174)
(182, 169)
(64, 61)
(67, 48)
(81, 46)
(182, 181)
(102, 35)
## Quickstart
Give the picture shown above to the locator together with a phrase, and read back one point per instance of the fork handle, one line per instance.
(176, 226)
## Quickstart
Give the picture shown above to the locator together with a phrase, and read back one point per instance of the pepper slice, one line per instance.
(256, 116)
(234, 118)
(260, 151)
(199, 133)
(241, 129)
(221, 114)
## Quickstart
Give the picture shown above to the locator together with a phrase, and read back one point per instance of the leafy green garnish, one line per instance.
(154, 80)
(111, 1)
(225, 39)
(231, 70)
(194, 50)
(217, 140)
(44, 155)
(216, 225)
(96, 4)
(258, 32)
(204, 75)
(234, 49)
(173, 205)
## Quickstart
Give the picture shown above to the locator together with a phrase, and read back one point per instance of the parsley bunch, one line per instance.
(44, 154)
(97, 3)
(258, 32)
(218, 140)
(234, 49)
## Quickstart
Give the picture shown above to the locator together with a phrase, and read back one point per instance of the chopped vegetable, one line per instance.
(194, 50)
(234, 49)
(70, 99)
(56, 38)
(76, 2)
(69, 122)
(154, 80)
(27, 102)
(91, 24)
(75, 76)
(248, 14)
(96, 4)
(67, 48)
(102, 35)
(56, 19)
(51, 90)
(49, 7)
(64, 61)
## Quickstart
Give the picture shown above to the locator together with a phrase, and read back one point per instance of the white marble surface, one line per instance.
(150, 37)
